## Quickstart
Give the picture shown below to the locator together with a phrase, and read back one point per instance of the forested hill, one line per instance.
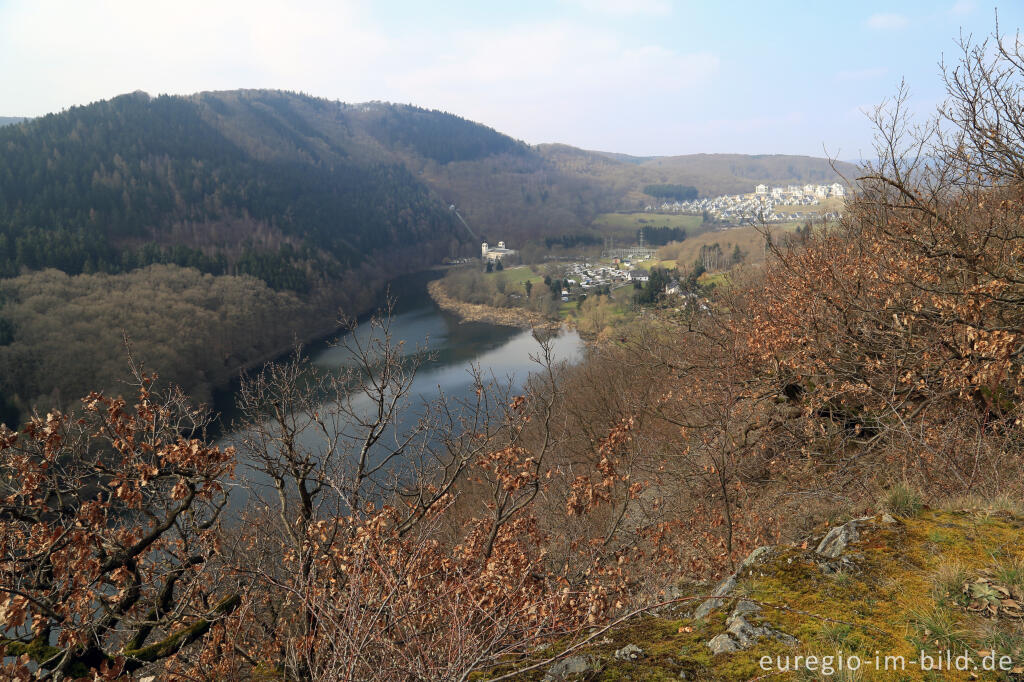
(10, 120)
(255, 215)
(297, 190)
(711, 174)
(279, 186)
(291, 207)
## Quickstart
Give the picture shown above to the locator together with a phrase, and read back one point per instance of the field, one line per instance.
(515, 276)
(632, 222)
(750, 241)
(830, 204)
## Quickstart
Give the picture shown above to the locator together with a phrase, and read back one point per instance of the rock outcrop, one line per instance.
(572, 668)
(742, 634)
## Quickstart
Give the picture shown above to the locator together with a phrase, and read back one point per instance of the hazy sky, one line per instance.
(636, 76)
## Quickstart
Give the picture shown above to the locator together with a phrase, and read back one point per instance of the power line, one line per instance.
(464, 223)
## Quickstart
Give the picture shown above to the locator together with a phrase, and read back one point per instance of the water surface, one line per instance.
(504, 354)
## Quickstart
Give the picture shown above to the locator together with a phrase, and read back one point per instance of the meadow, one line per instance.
(631, 222)
(748, 238)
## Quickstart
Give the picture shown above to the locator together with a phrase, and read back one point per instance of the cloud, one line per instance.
(626, 7)
(862, 74)
(962, 7)
(886, 22)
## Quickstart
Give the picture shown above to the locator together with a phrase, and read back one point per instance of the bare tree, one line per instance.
(108, 553)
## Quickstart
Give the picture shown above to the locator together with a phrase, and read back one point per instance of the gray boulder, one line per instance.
(839, 538)
(726, 587)
(722, 590)
(740, 633)
(630, 652)
(758, 555)
(572, 668)
(722, 644)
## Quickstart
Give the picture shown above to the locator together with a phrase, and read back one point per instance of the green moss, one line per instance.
(172, 643)
(901, 593)
(38, 649)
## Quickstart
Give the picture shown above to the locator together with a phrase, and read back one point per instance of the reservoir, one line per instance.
(503, 354)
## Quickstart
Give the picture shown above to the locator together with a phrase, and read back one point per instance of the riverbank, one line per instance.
(476, 312)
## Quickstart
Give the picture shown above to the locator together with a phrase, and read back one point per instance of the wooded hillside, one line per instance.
(312, 198)
(712, 174)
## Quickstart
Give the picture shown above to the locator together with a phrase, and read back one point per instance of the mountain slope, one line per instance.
(296, 190)
(10, 120)
(503, 188)
(309, 204)
(711, 174)
(260, 183)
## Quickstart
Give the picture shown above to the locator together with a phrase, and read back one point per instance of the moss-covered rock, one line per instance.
(894, 599)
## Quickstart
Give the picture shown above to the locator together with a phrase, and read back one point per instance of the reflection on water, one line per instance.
(503, 353)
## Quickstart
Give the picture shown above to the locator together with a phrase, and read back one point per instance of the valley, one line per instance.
(298, 388)
(290, 197)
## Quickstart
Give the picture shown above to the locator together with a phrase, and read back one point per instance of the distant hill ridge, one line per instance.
(320, 201)
(711, 174)
(297, 190)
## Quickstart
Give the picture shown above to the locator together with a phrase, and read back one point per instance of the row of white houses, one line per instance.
(817, 191)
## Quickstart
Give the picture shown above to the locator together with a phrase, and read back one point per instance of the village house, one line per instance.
(760, 205)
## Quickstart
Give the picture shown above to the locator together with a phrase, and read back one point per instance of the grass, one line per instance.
(948, 582)
(634, 221)
(842, 578)
(903, 500)
(825, 205)
(516, 275)
(750, 241)
(938, 628)
(716, 280)
(1005, 504)
(1010, 572)
(1003, 642)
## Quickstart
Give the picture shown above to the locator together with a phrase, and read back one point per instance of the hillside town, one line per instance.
(763, 204)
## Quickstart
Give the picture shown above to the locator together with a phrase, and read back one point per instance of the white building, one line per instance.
(838, 190)
(497, 253)
(761, 189)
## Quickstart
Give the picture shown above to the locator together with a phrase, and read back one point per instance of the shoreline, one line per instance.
(478, 312)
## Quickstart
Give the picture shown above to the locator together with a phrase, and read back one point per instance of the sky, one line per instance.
(643, 77)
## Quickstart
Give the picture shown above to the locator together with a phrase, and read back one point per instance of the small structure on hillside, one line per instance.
(496, 253)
